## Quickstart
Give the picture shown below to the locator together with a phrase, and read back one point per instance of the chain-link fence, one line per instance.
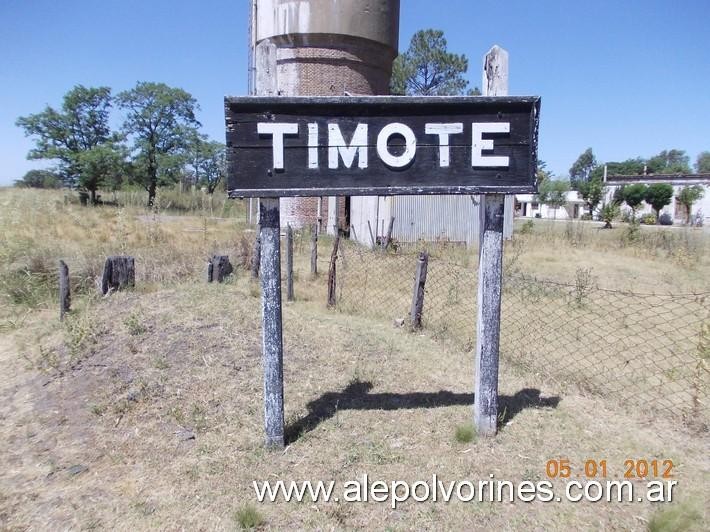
(641, 350)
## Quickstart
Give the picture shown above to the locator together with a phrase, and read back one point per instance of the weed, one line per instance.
(583, 285)
(134, 324)
(675, 519)
(465, 433)
(248, 517)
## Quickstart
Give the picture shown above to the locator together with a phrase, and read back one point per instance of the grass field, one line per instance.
(144, 409)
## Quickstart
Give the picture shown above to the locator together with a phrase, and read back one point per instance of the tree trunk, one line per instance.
(151, 191)
(93, 197)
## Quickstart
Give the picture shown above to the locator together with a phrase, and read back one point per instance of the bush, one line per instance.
(465, 433)
(648, 219)
(586, 217)
(665, 219)
(527, 228)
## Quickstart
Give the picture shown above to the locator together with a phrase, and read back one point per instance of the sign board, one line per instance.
(380, 145)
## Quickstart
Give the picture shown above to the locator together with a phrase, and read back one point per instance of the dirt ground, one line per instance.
(144, 410)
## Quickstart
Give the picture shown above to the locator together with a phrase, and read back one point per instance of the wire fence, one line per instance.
(641, 350)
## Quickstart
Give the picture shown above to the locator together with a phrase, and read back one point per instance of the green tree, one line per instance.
(207, 162)
(658, 195)
(542, 174)
(102, 166)
(161, 121)
(39, 179)
(627, 167)
(702, 164)
(609, 212)
(669, 162)
(428, 69)
(634, 196)
(64, 135)
(592, 192)
(581, 170)
(688, 196)
(553, 193)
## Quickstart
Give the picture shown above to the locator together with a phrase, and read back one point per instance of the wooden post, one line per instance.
(331, 272)
(388, 236)
(289, 263)
(490, 273)
(271, 321)
(119, 273)
(218, 268)
(64, 289)
(314, 251)
(270, 266)
(256, 255)
(415, 314)
(372, 237)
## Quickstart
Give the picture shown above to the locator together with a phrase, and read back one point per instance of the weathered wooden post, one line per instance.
(490, 273)
(331, 272)
(218, 268)
(415, 314)
(119, 273)
(256, 255)
(372, 236)
(270, 273)
(289, 264)
(388, 235)
(64, 289)
(314, 251)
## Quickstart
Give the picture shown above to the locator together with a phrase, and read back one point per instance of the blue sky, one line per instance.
(628, 78)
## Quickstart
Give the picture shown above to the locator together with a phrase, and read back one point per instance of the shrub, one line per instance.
(665, 219)
(586, 217)
(648, 219)
(465, 433)
(527, 228)
(248, 518)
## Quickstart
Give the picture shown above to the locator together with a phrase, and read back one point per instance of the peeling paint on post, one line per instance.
(490, 273)
(270, 273)
(271, 321)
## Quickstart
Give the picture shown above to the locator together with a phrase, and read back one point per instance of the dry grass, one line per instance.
(143, 410)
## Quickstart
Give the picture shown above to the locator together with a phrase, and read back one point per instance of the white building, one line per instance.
(529, 206)
(676, 210)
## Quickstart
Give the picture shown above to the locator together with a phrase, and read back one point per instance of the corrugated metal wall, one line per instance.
(452, 218)
(431, 218)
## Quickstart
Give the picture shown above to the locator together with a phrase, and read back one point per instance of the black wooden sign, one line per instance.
(380, 145)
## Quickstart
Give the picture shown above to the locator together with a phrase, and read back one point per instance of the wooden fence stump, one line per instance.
(314, 251)
(64, 289)
(218, 268)
(331, 272)
(119, 273)
(415, 314)
(289, 264)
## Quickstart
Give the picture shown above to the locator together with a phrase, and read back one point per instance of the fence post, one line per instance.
(256, 255)
(372, 236)
(388, 237)
(331, 272)
(314, 251)
(119, 272)
(64, 289)
(415, 314)
(490, 273)
(289, 263)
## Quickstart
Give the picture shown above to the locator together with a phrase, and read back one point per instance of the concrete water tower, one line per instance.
(327, 48)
